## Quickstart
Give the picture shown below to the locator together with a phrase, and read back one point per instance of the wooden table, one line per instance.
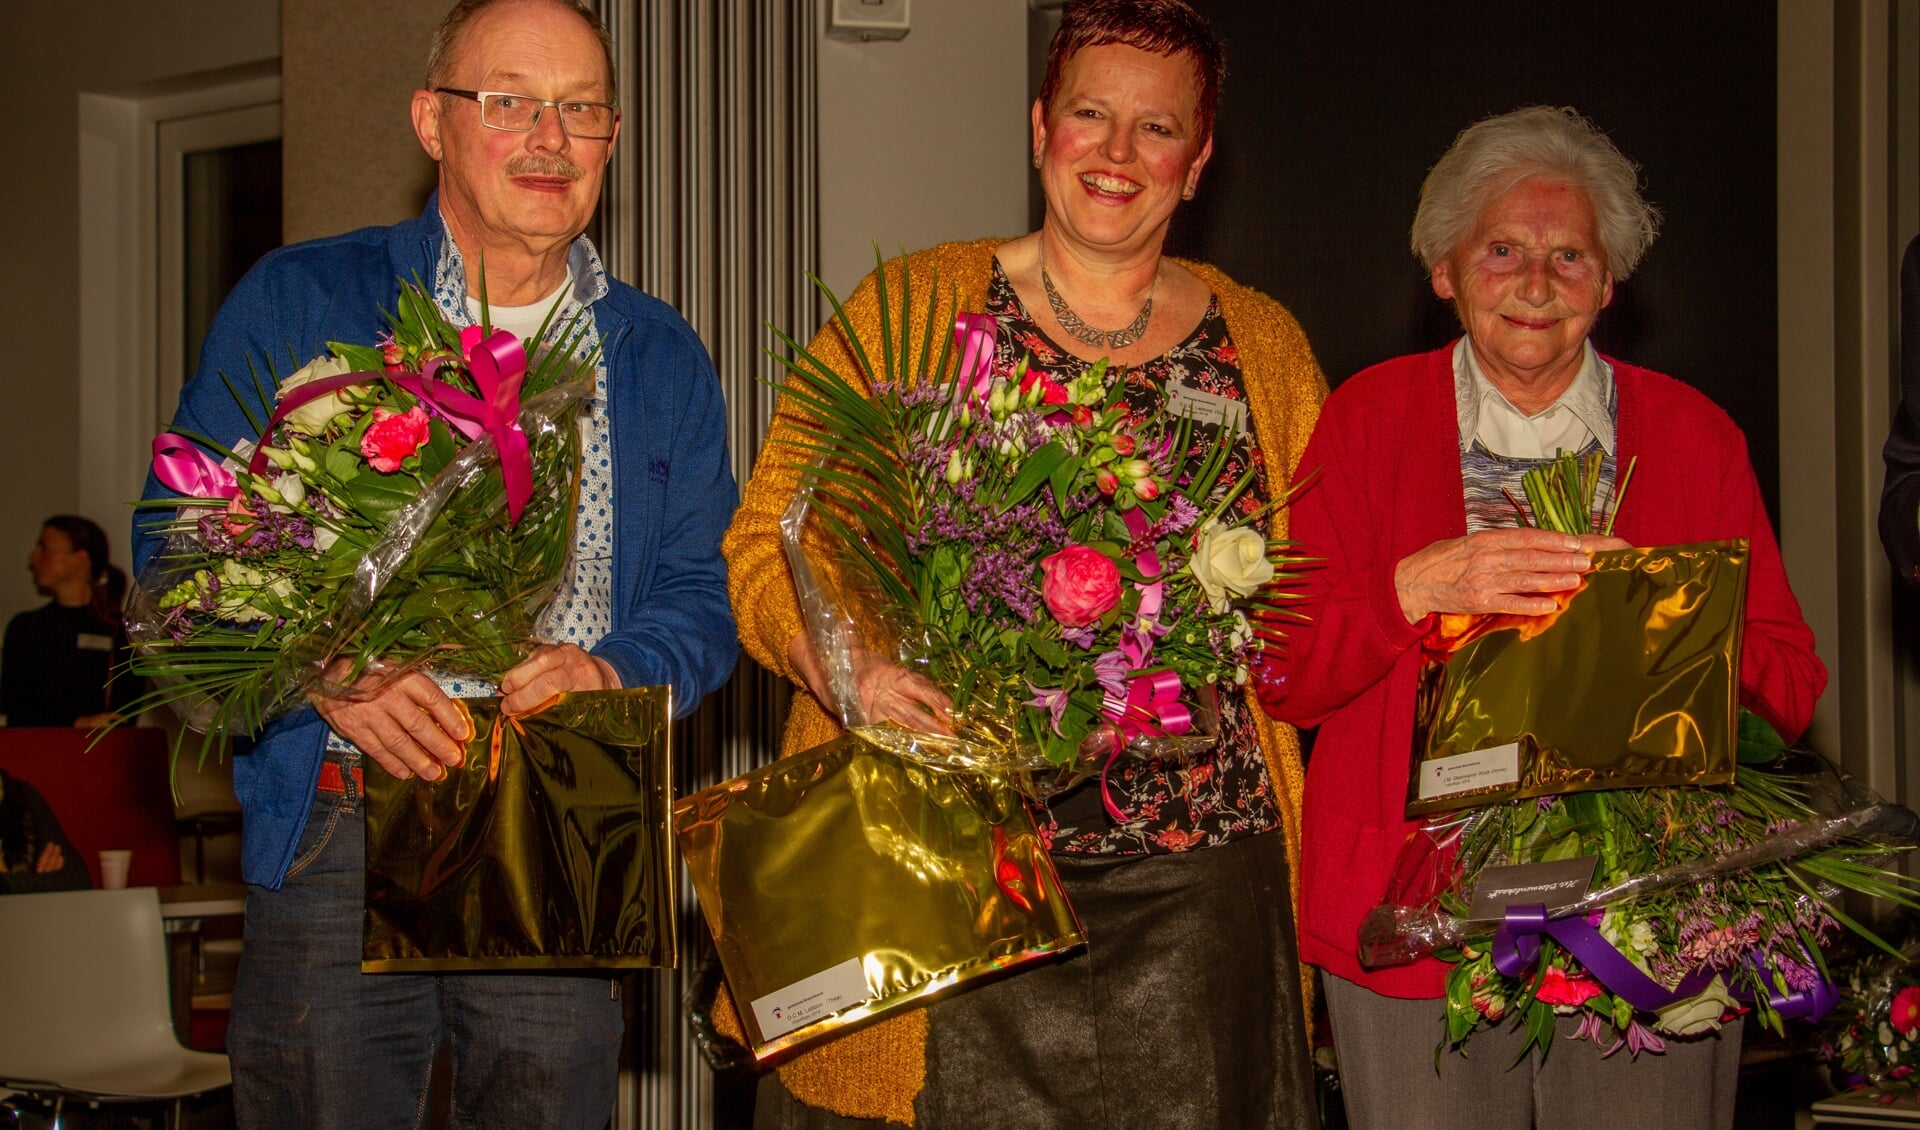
(182, 911)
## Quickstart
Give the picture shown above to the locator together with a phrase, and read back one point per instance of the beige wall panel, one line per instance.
(49, 55)
(923, 139)
(349, 69)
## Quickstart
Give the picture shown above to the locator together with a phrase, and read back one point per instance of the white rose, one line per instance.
(1697, 1014)
(323, 537)
(1229, 560)
(314, 416)
(290, 488)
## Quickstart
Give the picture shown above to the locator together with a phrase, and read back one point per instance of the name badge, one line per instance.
(93, 641)
(1207, 407)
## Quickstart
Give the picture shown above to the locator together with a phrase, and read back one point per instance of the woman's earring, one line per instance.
(1187, 195)
(1036, 158)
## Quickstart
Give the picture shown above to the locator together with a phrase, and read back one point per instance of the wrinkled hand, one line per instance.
(1495, 571)
(51, 859)
(554, 669)
(888, 692)
(406, 723)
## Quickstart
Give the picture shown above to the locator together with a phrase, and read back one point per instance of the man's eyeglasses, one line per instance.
(588, 121)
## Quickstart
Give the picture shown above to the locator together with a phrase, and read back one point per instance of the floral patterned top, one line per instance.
(1222, 794)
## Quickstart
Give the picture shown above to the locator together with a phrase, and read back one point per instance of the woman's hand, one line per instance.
(1495, 571)
(406, 723)
(888, 692)
(51, 859)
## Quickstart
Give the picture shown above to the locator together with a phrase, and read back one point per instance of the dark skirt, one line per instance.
(1184, 1010)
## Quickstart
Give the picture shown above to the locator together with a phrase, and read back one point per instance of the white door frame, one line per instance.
(132, 148)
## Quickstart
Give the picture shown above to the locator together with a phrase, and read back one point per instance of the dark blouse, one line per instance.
(1224, 793)
(59, 664)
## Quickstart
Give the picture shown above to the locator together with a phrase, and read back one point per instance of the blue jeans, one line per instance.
(317, 1043)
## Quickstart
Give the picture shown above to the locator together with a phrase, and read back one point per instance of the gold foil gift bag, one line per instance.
(1633, 682)
(846, 882)
(546, 848)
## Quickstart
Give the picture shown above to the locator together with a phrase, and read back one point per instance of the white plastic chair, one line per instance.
(83, 987)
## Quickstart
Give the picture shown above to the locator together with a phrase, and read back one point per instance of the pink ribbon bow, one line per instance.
(973, 336)
(1151, 706)
(185, 469)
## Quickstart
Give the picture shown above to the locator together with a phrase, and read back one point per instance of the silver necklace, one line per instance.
(1100, 339)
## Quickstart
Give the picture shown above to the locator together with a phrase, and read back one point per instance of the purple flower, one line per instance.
(1051, 699)
(1111, 671)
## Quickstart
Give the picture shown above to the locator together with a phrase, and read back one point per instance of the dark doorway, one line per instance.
(1332, 114)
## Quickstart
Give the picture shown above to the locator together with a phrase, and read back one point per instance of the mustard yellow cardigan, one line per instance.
(876, 1072)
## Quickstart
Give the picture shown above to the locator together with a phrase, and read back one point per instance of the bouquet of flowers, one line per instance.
(1703, 901)
(408, 502)
(1873, 1037)
(1076, 576)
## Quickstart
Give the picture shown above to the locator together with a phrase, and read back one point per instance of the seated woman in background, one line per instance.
(34, 853)
(63, 663)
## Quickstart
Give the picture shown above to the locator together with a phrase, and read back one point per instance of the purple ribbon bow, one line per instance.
(1516, 947)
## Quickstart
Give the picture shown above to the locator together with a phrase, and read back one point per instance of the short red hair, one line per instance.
(1160, 27)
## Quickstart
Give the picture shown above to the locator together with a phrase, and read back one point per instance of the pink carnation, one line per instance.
(1080, 585)
(1560, 988)
(393, 436)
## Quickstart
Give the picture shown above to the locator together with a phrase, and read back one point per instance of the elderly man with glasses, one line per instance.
(519, 110)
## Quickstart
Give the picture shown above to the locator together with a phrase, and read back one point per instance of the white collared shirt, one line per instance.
(1568, 424)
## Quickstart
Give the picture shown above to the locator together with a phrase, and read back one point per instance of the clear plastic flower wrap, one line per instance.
(374, 526)
(1648, 912)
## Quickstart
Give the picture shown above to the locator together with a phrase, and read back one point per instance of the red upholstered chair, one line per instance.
(115, 795)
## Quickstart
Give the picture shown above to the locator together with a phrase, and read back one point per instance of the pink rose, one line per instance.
(393, 436)
(1080, 585)
(1905, 1013)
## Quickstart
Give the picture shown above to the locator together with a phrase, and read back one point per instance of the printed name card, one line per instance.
(1554, 884)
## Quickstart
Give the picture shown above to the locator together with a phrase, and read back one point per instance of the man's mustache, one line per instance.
(529, 164)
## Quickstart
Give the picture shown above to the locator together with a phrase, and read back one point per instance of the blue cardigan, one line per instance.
(673, 485)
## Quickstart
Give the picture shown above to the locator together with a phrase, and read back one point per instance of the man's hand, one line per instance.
(51, 859)
(553, 670)
(1506, 571)
(406, 723)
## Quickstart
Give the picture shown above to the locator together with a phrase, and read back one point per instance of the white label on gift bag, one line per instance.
(1483, 768)
(807, 1000)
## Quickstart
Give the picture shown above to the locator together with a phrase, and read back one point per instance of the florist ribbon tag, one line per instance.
(1560, 882)
(185, 469)
(1516, 949)
(499, 366)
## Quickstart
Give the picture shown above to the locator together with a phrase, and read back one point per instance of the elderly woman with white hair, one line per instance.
(1525, 225)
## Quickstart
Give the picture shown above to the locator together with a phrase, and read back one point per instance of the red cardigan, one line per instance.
(1383, 470)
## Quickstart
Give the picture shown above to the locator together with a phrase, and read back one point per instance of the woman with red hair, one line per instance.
(1186, 1009)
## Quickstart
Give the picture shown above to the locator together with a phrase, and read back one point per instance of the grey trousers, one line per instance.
(1389, 1078)
(1183, 1013)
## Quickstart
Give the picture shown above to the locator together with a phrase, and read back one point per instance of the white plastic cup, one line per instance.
(113, 868)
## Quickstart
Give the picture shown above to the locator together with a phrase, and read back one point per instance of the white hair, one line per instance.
(1493, 155)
